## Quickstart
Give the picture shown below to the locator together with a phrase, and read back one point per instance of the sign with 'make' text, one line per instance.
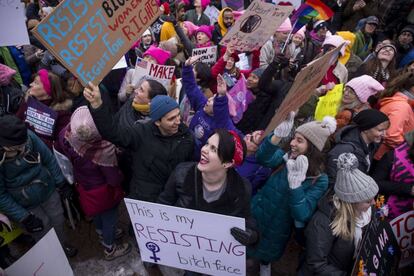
(187, 239)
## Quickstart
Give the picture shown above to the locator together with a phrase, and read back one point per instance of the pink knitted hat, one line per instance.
(160, 55)
(364, 87)
(44, 79)
(285, 27)
(205, 3)
(191, 28)
(205, 29)
(6, 74)
(301, 32)
(336, 40)
(82, 125)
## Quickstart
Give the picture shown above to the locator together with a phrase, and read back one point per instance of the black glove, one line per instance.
(281, 60)
(245, 237)
(66, 191)
(32, 224)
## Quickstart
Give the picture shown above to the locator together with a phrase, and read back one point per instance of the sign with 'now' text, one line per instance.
(187, 239)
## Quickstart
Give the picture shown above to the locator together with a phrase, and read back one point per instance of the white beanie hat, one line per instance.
(318, 132)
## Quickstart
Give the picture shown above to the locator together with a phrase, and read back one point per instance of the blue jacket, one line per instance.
(276, 207)
(26, 184)
(203, 125)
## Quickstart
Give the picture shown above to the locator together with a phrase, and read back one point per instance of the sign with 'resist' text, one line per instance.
(89, 37)
(187, 239)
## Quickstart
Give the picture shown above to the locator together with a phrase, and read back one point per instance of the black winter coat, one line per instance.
(154, 155)
(325, 253)
(349, 139)
(181, 191)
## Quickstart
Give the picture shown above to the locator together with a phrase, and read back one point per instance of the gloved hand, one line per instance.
(32, 224)
(66, 191)
(285, 127)
(245, 237)
(281, 60)
(297, 169)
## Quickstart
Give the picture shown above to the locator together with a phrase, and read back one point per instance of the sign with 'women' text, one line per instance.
(187, 239)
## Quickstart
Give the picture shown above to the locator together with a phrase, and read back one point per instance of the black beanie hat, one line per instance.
(13, 131)
(369, 118)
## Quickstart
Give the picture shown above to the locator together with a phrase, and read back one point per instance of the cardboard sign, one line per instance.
(378, 253)
(89, 37)
(44, 259)
(303, 87)
(147, 70)
(252, 29)
(328, 105)
(403, 227)
(207, 55)
(13, 29)
(187, 239)
(41, 117)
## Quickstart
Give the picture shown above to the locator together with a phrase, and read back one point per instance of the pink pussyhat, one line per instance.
(44, 78)
(6, 74)
(160, 55)
(204, 3)
(285, 27)
(205, 29)
(191, 28)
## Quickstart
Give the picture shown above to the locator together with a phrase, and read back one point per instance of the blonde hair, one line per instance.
(343, 224)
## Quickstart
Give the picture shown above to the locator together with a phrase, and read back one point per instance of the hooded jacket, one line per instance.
(349, 139)
(401, 116)
(219, 29)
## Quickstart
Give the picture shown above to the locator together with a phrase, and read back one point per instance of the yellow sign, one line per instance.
(10, 236)
(328, 105)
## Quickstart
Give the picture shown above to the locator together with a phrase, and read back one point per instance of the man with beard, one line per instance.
(167, 29)
(224, 22)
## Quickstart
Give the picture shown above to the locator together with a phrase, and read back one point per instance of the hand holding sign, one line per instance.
(93, 95)
(191, 60)
(221, 85)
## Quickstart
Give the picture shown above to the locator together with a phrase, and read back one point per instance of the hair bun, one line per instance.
(347, 161)
(329, 122)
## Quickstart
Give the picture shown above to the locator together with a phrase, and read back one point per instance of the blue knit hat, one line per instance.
(258, 72)
(161, 105)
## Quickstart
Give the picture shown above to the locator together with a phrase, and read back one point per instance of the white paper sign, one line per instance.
(120, 64)
(187, 239)
(403, 228)
(212, 13)
(65, 166)
(13, 29)
(207, 55)
(147, 70)
(46, 258)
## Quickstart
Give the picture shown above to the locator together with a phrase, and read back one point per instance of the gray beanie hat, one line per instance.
(351, 184)
(318, 132)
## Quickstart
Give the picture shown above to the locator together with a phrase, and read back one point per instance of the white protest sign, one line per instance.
(120, 64)
(187, 239)
(207, 55)
(147, 70)
(65, 166)
(403, 228)
(13, 29)
(44, 259)
(212, 13)
(257, 24)
(243, 63)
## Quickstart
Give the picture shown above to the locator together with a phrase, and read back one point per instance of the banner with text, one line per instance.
(89, 37)
(252, 30)
(403, 227)
(41, 117)
(303, 87)
(207, 55)
(378, 253)
(147, 70)
(186, 239)
(45, 258)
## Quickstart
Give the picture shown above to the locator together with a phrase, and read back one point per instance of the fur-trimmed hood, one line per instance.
(66, 105)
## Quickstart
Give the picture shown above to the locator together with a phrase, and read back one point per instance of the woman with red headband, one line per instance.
(47, 108)
(213, 185)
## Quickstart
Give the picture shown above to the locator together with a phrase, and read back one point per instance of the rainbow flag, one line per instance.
(308, 10)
